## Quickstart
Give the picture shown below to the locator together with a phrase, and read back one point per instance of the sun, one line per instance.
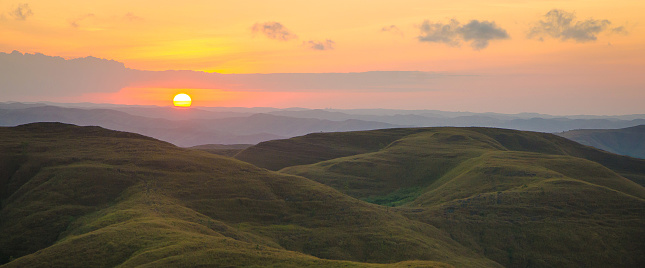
(182, 100)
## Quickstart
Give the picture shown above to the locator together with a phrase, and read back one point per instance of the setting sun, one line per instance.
(182, 100)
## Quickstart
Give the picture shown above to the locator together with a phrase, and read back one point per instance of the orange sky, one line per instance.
(599, 63)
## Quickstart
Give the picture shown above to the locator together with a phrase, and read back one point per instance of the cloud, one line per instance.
(319, 45)
(274, 30)
(476, 32)
(38, 77)
(439, 32)
(21, 12)
(392, 29)
(560, 24)
(132, 18)
(620, 30)
(75, 23)
(481, 33)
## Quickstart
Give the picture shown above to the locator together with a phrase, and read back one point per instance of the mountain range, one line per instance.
(222, 125)
(626, 141)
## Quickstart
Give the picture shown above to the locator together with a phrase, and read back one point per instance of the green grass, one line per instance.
(523, 199)
(316, 147)
(85, 197)
(396, 198)
(466, 197)
(222, 149)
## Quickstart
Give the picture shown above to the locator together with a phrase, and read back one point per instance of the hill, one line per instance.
(523, 199)
(86, 196)
(626, 141)
(222, 149)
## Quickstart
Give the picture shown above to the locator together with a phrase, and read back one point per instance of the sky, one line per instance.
(508, 56)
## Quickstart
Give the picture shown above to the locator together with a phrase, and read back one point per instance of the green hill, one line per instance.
(222, 149)
(85, 196)
(626, 141)
(316, 147)
(523, 199)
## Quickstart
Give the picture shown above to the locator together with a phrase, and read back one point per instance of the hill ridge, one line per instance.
(117, 200)
(471, 182)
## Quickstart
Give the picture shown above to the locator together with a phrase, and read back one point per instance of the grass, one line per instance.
(463, 197)
(316, 147)
(522, 199)
(222, 149)
(397, 198)
(85, 196)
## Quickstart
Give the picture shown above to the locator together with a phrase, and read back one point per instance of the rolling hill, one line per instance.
(626, 141)
(222, 149)
(522, 199)
(86, 196)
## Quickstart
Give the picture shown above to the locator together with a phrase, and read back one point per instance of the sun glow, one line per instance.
(182, 100)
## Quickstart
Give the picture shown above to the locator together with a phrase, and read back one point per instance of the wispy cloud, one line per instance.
(21, 12)
(273, 30)
(560, 24)
(620, 30)
(392, 29)
(478, 33)
(76, 22)
(132, 18)
(319, 45)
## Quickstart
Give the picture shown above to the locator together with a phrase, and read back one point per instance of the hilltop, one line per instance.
(86, 196)
(523, 199)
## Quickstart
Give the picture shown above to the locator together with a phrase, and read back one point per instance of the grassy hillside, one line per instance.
(626, 141)
(222, 149)
(86, 196)
(523, 199)
(316, 147)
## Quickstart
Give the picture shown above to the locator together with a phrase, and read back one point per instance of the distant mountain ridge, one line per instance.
(235, 125)
(249, 129)
(626, 141)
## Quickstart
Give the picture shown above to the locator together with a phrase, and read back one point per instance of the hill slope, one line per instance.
(520, 198)
(626, 141)
(86, 196)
